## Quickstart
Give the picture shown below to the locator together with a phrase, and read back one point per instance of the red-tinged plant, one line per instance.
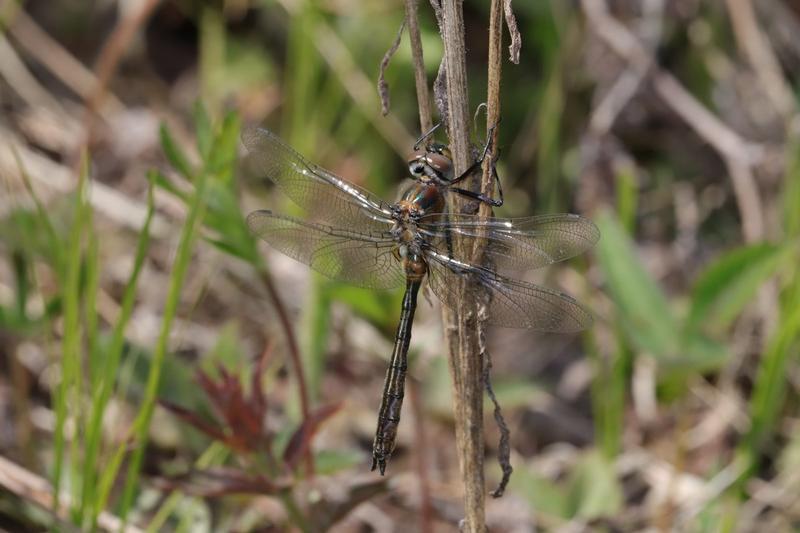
(240, 425)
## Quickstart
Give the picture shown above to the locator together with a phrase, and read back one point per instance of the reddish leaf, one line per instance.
(259, 398)
(301, 438)
(242, 415)
(194, 420)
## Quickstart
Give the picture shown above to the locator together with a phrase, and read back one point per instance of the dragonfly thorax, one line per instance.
(421, 199)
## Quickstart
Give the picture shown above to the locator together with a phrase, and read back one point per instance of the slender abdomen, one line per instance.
(394, 385)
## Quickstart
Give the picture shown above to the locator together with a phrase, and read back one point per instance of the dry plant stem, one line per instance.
(492, 105)
(740, 155)
(37, 491)
(294, 355)
(420, 79)
(485, 210)
(755, 46)
(59, 61)
(107, 63)
(23, 82)
(383, 85)
(461, 333)
(425, 504)
(426, 122)
(114, 47)
(513, 30)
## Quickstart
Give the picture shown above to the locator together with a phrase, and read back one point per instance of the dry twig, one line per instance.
(383, 86)
(61, 63)
(461, 323)
(420, 79)
(740, 155)
(487, 186)
(516, 38)
(426, 122)
(755, 46)
(38, 491)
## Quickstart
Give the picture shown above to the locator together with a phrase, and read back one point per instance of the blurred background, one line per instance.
(151, 349)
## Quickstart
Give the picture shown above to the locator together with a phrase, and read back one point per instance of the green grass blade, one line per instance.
(226, 147)
(729, 284)
(204, 131)
(770, 386)
(174, 154)
(56, 247)
(70, 344)
(769, 390)
(644, 310)
(110, 363)
(177, 276)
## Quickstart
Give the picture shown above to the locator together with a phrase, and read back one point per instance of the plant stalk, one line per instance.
(461, 331)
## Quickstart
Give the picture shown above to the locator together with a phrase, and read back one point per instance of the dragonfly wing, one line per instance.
(516, 243)
(510, 303)
(318, 191)
(362, 259)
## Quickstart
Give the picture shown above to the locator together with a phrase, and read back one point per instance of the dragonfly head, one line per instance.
(434, 163)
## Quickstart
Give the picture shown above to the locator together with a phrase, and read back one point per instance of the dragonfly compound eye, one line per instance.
(442, 164)
(416, 164)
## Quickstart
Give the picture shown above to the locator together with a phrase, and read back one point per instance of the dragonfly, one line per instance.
(353, 236)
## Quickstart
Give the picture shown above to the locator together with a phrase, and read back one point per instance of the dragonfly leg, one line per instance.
(473, 167)
(426, 135)
(478, 196)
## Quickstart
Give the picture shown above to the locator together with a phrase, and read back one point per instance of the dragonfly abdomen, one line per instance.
(394, 385)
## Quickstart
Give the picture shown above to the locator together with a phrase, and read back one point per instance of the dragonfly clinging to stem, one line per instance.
(355, 237)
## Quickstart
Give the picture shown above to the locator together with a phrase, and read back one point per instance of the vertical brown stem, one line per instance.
(420, 79)
(294, 355)
(461, 324)
(425, 504)
(492, 98)
(426, 122)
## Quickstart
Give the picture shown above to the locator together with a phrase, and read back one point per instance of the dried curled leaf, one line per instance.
(516, 39)
(383, 86)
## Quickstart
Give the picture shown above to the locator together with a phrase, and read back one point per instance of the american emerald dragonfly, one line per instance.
(353, 236)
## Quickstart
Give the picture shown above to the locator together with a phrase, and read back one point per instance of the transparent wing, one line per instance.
(516, 243)
(319, 192)
(363, 259)
(510, 303)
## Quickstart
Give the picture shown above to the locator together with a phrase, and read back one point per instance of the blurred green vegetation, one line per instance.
(690, 316)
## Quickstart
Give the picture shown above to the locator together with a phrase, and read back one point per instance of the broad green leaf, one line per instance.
(204, 130)
(161, 181)
(225, 149)
(700, 354)
(594, 488)
(543, 495)
(225, 218)
(174, 154)
(328, 462)
(513, 393)
(438, 389)
(379, 307)
(643, 308)
(730, 283)
(627, 196)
